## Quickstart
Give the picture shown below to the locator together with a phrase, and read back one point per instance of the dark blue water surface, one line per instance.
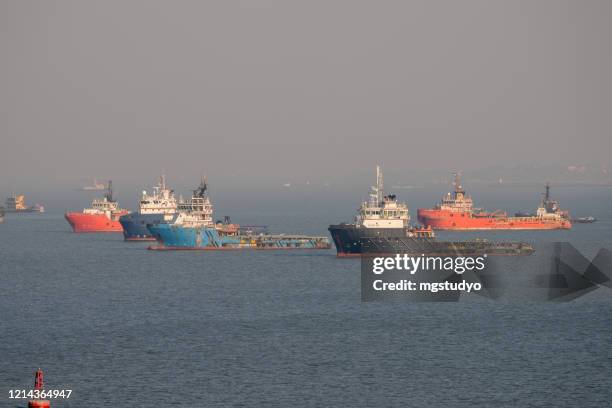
(122, 326)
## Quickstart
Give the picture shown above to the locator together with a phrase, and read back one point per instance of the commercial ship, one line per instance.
(382, 225)
(456, 212)
(16, 204)
(152, 208)
(94, 187)
(102, 216)
(193, 228)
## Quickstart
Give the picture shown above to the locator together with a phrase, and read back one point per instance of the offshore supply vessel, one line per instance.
(152, 208)
(102, 216)
(382, 225)
(16, 204)
(193, 228)
(456, 212)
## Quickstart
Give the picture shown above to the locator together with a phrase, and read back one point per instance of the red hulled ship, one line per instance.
(102, 216)
(456, 212)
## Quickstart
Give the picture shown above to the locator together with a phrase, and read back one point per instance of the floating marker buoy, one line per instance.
(39, 385)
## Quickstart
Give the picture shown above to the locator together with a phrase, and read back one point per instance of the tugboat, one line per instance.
(193, 228)
(157, 207)
(102, 216)
(382, 226)
(456, 212)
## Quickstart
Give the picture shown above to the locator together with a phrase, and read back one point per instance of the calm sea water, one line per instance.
(122, 326)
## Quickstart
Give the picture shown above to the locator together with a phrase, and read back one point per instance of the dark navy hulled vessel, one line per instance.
(158, 207)
(381, 216)
(382, 226)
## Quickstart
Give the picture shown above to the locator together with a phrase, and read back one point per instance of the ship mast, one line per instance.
(109, 191)
(459, 191)
(379, 185)
(201, 190)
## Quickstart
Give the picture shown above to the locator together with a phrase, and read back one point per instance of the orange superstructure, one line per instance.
(456, 212)
(102, 216)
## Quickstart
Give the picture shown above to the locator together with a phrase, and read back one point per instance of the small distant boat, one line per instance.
(1, 215)
(585, 220)
(17, 204)
(95, 187)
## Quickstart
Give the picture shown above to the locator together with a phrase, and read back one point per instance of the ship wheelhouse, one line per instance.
(197, 212)
(162, 201)
(382, 211)
(458, 200)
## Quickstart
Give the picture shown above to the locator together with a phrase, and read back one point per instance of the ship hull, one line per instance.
(353, 241)
(135, 226)
(448, 220)
(347, 237)
(28, 210)
(81, 222)
(417, 246)
(178, 237)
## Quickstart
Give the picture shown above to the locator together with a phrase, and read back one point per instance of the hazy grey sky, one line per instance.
(298, 90)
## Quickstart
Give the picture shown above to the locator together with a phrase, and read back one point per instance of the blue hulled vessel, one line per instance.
(193, 228)
(159, 206)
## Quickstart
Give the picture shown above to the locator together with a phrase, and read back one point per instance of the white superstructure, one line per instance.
(162, 201)
(382, 211)
(197, 212)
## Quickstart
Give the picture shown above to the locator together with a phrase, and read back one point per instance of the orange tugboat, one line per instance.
(103, 216)
(456, 212)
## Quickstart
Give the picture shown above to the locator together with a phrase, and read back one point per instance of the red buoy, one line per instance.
(39, 385)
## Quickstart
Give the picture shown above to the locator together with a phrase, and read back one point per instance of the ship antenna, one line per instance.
(457, 183)
(547, 196)
(201, 190)
(379, 185)
(109, 191)
(162, 181)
